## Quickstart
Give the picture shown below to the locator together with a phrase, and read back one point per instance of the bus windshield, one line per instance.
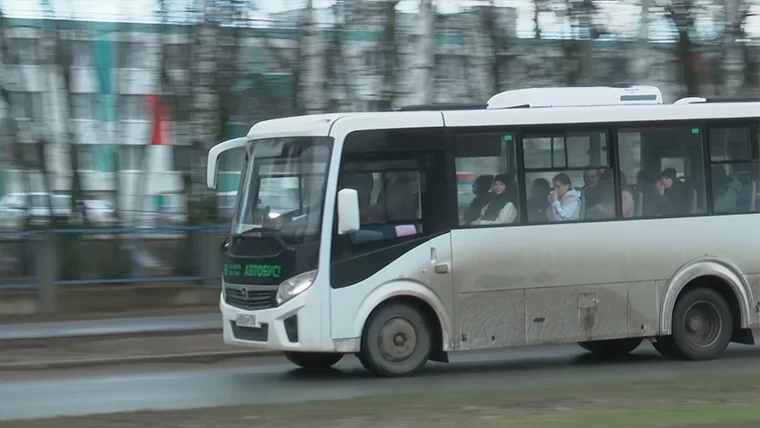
(283, 188)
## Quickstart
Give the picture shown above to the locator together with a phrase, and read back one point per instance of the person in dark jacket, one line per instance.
(538, 202)
(482, 190)
(671, 196)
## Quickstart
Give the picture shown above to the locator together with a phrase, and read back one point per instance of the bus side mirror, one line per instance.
(348, 211)
(213, 158)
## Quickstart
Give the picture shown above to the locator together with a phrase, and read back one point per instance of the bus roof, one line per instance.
(602, 114)
(526, 107)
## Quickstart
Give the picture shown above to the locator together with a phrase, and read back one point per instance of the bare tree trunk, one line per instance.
(732, 61)
(538, 7)
(681, 13)
(310, 86)
(333, 53)
(424, 63)
(641, 55)
(17, 148)
(578, 48)
(494, 43)
(204, 116)
(64, 58)
(390, 54)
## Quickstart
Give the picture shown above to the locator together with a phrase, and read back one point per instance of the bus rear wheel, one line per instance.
(613, 347)
(313, 361)
(396, 342)
(702, 327)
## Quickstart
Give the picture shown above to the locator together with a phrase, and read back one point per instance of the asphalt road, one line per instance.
(273, 380)
(84, 328)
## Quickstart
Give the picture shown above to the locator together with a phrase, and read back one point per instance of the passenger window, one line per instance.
(662, 172)
(733, 172)
(544, 152)
(729, 144)
(487, 190)
(566, 177)
(573, 150)
(404, 199)
(388, 192)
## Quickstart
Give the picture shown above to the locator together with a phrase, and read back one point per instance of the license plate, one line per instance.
(246, 321)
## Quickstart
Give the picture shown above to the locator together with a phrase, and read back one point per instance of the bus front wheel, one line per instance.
(313, 361)
(702, 327)
(396, 342)
(613, 347)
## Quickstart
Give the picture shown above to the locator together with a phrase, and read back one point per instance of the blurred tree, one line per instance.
(734, 61)
(311, 48)
(682, 14)
(495, 45)
(27, 143)
(63, 57)
(578, 48)
(390, 73)
(425, 54)
(539, 7)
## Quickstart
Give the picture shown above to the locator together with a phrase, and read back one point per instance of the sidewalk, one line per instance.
(108, 327)
(122, 351)
(69, 344)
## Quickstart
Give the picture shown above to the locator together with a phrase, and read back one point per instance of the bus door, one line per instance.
(404, 220)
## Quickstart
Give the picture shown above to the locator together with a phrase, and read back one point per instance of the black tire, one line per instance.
(702, 327)
(666, 347)
(612, 348)
(314, 361)
(396, 341)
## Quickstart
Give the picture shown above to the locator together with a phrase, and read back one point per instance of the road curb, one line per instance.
(63, 339)
(197, 357)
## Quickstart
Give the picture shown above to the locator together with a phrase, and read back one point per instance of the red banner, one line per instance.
(160, 115)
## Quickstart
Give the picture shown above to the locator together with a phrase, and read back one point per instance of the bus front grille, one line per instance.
(250, 298)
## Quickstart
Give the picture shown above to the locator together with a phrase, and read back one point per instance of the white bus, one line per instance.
(611, 218)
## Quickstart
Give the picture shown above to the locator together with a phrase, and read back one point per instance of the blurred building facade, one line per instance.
(116, 65)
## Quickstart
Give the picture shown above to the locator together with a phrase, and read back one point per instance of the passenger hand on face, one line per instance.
(659, 188)
(553, 197)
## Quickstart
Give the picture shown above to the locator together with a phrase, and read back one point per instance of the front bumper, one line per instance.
(293, 326)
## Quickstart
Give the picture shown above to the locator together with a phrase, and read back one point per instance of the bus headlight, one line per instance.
(295, 286)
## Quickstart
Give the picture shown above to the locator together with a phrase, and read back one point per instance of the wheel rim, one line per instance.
(703, 324)
(397, 339)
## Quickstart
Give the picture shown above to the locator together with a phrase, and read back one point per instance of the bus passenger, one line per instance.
(481, 188)
(501, 209)
(606, 207)
(591, 190)
(401, 199)
(564, 201)
(726, 190)
(671, 197)
(645, 182)
(364, 183)
(537, 203)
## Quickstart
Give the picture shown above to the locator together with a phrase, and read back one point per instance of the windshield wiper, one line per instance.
(251, 230)
(266, 231)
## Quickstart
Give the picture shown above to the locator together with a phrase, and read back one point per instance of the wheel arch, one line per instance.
(417, 295)
(712, 273)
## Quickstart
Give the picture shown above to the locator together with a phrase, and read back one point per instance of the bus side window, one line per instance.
(483, 162)
(565, 176)
(406, 205)
(665, 167)
(733, 169)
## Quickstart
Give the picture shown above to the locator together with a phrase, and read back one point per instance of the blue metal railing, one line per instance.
(112, 256)
(17, 260)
